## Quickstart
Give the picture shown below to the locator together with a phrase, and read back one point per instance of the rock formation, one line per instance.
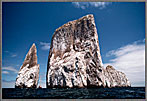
(29, 72)
(115, 78)
(74, 59)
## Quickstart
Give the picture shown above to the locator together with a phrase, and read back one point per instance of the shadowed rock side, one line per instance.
(29, 72)
(74, 59)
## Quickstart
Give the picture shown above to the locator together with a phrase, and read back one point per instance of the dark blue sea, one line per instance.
(74, 93)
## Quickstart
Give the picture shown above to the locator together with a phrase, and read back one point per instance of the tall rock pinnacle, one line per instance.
(29, 71)
(74, 59)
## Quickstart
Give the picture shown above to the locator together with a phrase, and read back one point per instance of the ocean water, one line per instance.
(74, 93)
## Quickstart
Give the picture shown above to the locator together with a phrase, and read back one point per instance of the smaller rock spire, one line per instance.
(31, 57)
(115, 78)
(29, 72)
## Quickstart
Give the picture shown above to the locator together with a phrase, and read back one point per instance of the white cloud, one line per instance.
(45, 46)
(10, 69)
(130, 59)
(5, 72)
(84, 5)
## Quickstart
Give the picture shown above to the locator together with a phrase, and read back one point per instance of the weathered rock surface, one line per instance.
(74, 59)
(29, 72)
(115, 78)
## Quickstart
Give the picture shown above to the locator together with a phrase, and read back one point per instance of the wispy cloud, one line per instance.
(10, 69)
(45, 46)
(131, 60)
(84, 5)
(18, 65)
(5, 72)
(13, 55)
(10, 54)
(6, 51)
(8, 84)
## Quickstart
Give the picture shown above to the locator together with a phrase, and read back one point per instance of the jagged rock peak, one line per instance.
(89, 16)
(31, 57)
(74, 59)
(29, 72)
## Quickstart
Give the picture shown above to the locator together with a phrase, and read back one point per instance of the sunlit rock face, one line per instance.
(28, 74)
(115, 78)
(74, 59)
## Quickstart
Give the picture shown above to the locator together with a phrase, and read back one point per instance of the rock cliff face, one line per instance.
(29, 72)
(74, 59)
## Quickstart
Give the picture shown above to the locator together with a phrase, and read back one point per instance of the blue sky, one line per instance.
(120, 27)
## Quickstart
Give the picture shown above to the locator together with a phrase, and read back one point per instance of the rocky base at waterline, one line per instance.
(75, 60)
(28, 74)
(75, 93)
